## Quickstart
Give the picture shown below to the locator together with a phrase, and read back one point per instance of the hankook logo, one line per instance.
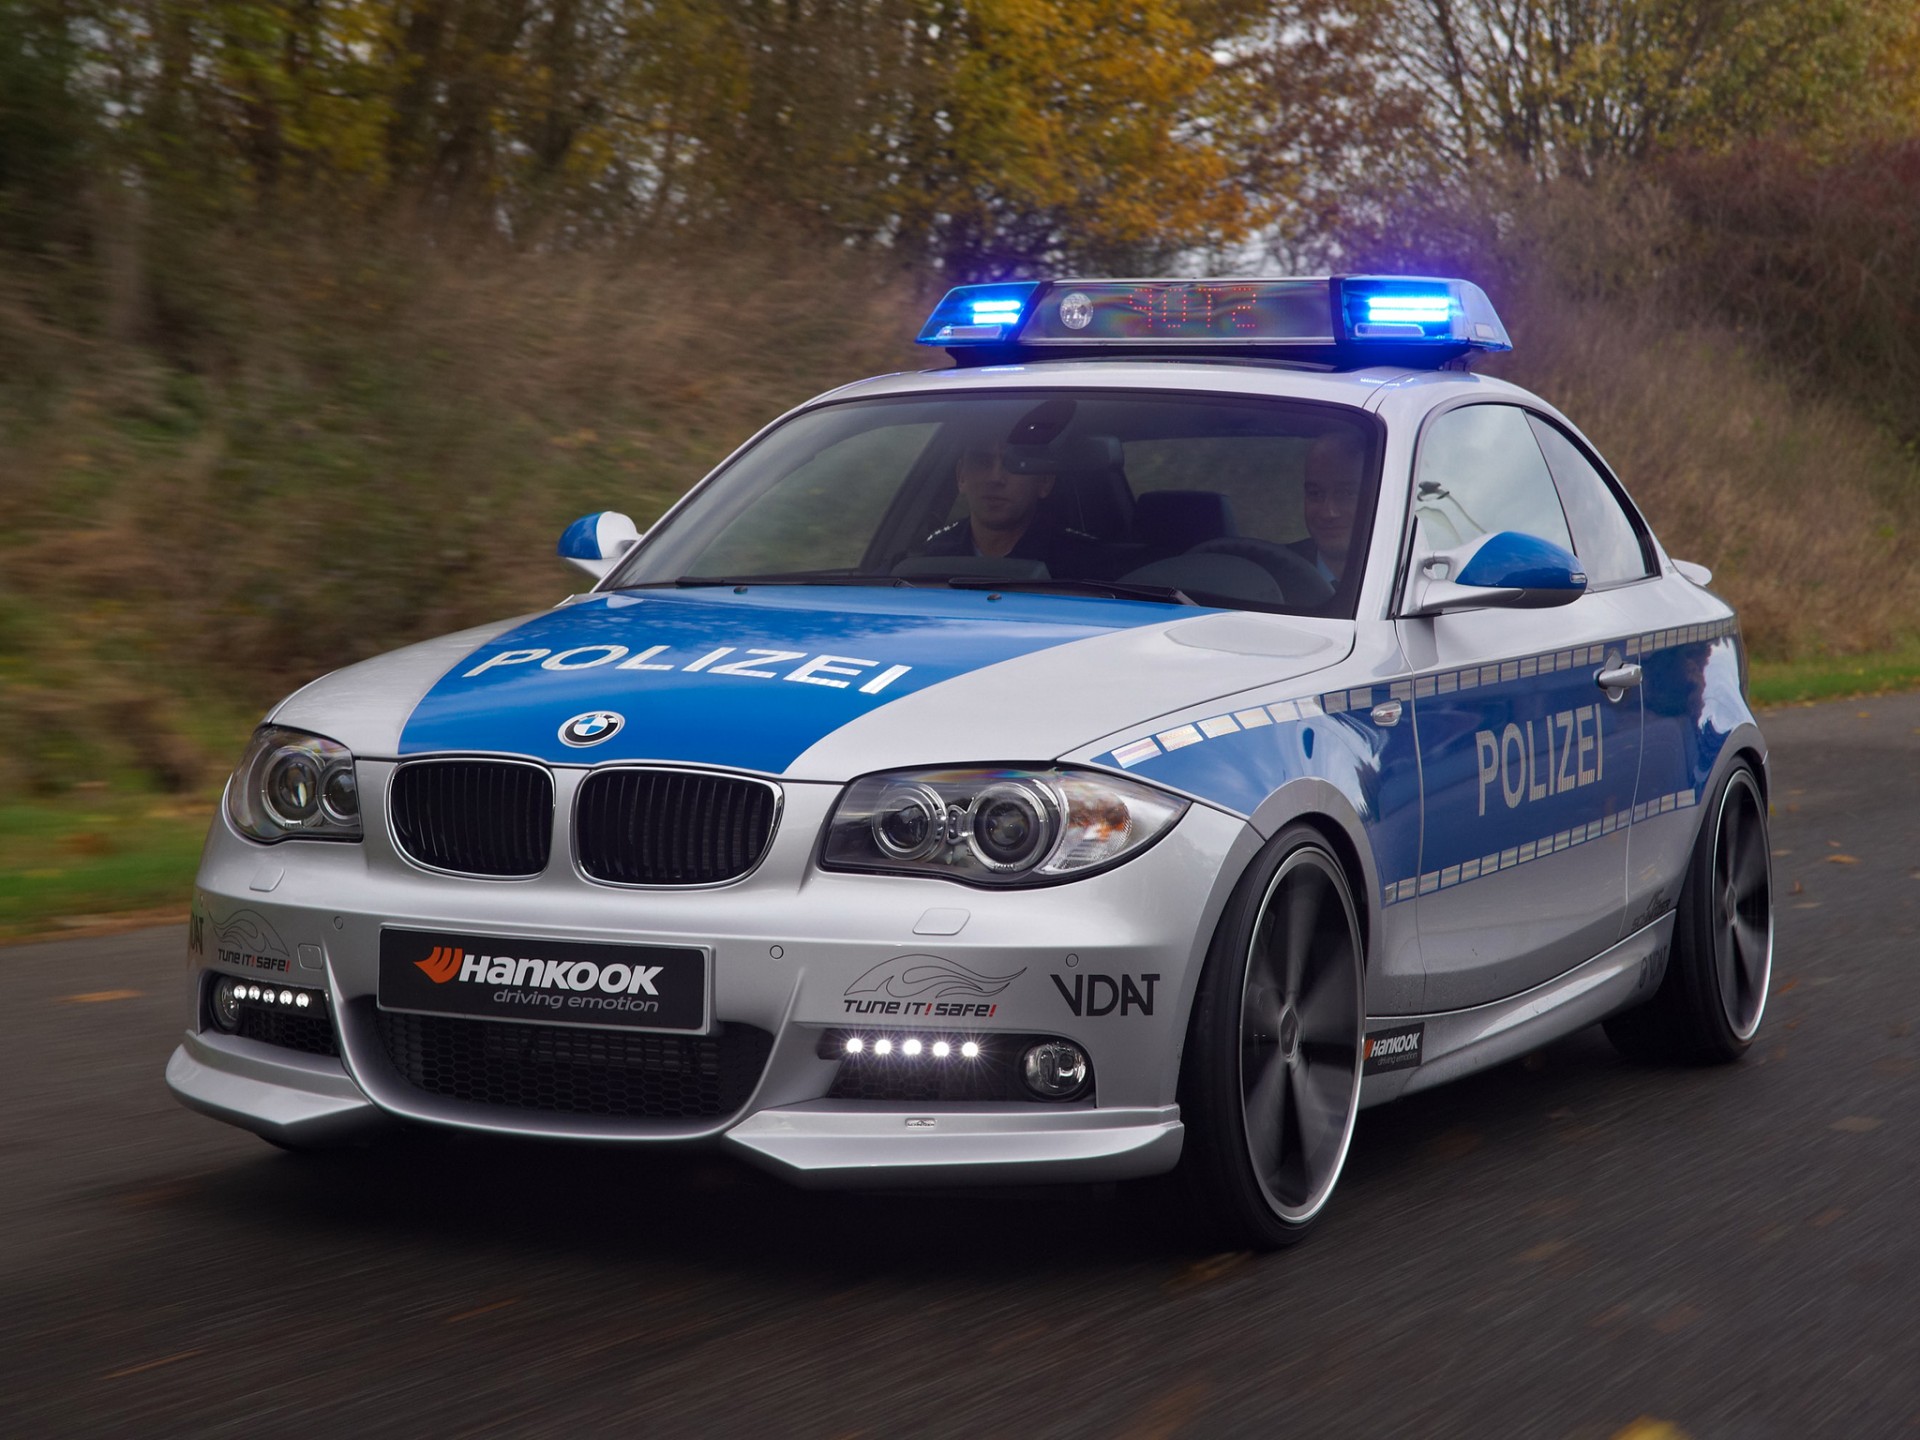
(447, 963)
(442, 965)
(591, 728)
(1396, 1049)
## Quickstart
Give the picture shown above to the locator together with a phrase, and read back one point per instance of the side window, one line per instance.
(1480, 472)
(1603, 536)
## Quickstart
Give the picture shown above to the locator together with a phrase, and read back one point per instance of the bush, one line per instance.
(367, 444)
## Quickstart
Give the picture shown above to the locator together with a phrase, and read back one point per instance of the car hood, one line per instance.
(810, 683)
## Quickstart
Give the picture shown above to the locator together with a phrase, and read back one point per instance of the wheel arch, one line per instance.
(1308, 800)
(1322, 805)
(1745, 743)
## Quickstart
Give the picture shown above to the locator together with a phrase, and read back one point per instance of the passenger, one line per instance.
(1331, 499)
(1005, 519)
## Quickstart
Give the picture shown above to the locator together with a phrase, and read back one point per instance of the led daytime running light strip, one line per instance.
(912, 1048)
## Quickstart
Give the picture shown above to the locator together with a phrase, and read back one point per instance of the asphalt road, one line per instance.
(1568, 1246)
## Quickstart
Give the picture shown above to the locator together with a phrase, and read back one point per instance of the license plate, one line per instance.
(550, 982)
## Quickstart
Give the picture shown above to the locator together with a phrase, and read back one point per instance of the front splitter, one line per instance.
(833, 1144)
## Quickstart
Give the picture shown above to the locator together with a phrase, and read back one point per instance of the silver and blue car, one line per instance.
(1204, 710)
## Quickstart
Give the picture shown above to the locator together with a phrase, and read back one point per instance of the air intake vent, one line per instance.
(566, 1070)
(673, 827)
(477, 817)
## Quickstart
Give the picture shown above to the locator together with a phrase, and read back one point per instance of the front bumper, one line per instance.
(788, 945)
(307, 1102)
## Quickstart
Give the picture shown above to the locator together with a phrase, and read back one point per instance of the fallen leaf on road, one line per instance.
(99, 997)
(1677, 1318)
(152, 1364)
(1826, 1218)
(1205, 1272)
(1647, 1428)
(1168, 1415)
(1451, 1145)
(1857, 1124)
(1843, 860)
(1545, 1250)
(1785, 986)
(479, 1310)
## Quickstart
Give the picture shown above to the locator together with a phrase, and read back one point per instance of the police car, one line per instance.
(1206, 709)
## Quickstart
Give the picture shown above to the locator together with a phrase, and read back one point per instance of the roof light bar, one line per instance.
(1343, 320)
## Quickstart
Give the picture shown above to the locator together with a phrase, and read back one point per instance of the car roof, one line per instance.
(1362, 389)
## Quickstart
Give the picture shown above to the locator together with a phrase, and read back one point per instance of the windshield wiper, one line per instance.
(696, 582)
(1118, 589)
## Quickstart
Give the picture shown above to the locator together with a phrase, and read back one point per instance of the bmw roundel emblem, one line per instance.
(591, 728)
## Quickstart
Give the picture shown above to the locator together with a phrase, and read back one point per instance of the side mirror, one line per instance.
(1504, 570)
(596, 542)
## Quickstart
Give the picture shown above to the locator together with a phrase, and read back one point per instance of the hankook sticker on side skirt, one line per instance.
(1396, 1049)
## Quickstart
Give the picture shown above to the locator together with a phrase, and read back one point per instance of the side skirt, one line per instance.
(1453, 1043)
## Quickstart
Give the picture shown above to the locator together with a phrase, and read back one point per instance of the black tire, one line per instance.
(1270, 1082)
(1711, 999)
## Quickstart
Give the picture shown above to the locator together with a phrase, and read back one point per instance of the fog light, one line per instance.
(1054, 1069)
(855, 1045)
(226, 1004)
(941, 1049)
(971, 1050)
(883, 1047)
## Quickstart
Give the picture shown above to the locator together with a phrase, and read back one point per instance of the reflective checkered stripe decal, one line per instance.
(1398, 890)
(1152, 753)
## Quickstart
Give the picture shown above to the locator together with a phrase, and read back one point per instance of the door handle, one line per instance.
(1618, 677)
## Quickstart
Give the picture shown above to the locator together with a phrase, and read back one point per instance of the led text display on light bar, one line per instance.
(1174, 312)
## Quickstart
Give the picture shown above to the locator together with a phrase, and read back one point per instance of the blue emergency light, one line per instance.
(1342, 320)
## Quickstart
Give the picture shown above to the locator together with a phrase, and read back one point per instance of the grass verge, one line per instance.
(85, 860)
(1831, 677)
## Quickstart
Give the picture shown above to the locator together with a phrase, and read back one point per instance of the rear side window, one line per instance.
(1604, 536)
(1480, 472)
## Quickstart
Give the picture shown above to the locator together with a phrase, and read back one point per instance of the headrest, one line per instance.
(1175, 520)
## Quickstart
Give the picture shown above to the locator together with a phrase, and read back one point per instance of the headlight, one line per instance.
(292, 784)
(995, 827)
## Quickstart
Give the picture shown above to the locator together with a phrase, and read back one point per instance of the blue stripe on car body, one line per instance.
(742, 677)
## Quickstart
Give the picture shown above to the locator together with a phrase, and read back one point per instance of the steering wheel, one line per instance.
(1301, 584)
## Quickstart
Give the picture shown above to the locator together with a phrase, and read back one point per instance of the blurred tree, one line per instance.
(1100, 133)
(44, 130)
(1560, 86)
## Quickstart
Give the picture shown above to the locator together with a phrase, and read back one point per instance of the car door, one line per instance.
(1682, 643)
(1527, 764)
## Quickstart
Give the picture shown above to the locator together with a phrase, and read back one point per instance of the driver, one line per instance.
(1331, 499)
(1004, 517)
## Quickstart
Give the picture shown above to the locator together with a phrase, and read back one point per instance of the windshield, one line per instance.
(1243, 503)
